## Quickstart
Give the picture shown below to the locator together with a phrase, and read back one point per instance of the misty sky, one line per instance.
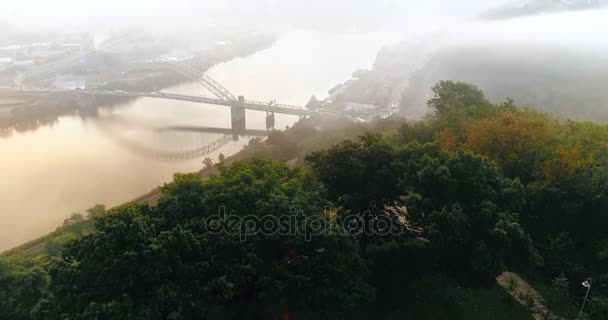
(449, 18)
(62, 14)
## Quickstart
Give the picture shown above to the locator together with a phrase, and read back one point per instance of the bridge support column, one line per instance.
(85, 100)
(237, 115)
(269, 120)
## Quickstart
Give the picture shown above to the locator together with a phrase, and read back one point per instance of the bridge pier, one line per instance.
(269, 120)
(86, 100)
(237, 114)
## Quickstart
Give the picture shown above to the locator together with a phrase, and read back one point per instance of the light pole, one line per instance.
(586, 284)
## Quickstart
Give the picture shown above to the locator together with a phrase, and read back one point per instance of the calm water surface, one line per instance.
(75, 163)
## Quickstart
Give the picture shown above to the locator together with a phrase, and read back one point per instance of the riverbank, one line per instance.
(80, 160)
(291, 145)
(31, 112)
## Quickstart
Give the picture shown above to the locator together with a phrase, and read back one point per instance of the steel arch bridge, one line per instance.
(222, 95)
(207, 82)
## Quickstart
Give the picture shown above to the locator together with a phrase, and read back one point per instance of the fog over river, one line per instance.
(75, 163)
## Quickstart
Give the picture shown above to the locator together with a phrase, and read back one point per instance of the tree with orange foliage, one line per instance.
(447, 140)
(517, 141)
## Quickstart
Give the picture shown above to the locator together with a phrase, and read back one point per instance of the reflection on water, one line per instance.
(75, 162)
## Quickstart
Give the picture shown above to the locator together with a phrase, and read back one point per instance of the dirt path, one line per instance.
(521, 290)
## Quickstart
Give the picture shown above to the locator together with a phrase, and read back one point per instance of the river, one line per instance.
(74, 163)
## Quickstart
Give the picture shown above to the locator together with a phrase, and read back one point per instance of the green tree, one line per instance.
(75, 218)
(468, 211)
(54, 245)
(558, 297)
(95, 211)
(360, 179)
(22, 283)
(208, 162)
(450, 96)
(165, 262)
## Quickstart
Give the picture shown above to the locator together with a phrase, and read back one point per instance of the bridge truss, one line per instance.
(207, 82)
(223, 96)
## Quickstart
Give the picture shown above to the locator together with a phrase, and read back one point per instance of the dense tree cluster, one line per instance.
(22, 283)
(164, 262)
(563, 167)
(475, 189)
(458, 201)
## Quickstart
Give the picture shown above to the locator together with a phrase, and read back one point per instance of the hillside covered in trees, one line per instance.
(407, 220)
(564, 82)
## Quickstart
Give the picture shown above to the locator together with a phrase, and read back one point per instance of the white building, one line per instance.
(70, 83)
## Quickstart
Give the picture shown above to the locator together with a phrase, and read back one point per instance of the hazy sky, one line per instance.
(450, 18)
(33, 14)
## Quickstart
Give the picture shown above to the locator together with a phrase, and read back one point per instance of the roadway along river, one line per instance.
(76, 162)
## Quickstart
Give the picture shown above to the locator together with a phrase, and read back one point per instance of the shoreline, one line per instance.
(152, 195)
(149, 197)
(8, 126)
(33, 112)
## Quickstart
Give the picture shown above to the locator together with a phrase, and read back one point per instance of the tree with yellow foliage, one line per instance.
(517, 141)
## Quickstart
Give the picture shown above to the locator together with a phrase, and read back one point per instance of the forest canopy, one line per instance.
(477, 188)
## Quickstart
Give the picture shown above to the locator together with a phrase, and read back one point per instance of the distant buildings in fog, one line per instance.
(70, 82)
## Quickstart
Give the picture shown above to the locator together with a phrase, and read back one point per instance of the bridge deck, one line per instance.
(248, 104)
